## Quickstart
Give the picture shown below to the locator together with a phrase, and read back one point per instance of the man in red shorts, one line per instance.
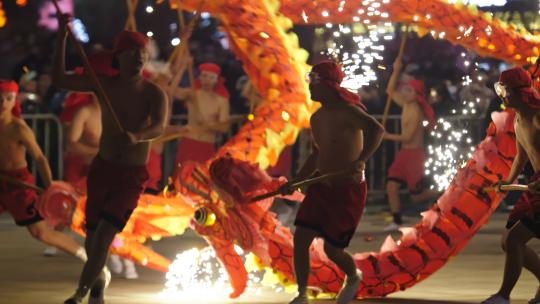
(118, 173)
(408, 165)
(345, 136)
(82, 131)
(16, 138)
(208, 114)
(81, 142)
(516, 91)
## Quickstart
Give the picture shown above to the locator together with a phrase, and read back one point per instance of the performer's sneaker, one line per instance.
(96, 297)
(392, 227)
(78, 297)
(300, 299)
(349, 289)
(130, 272)
(115, 264)
(92, 300)
(536, 299)
(97, 293)
(50, 251)
(496, 299)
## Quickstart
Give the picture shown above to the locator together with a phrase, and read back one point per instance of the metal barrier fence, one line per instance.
(49, 134)
(376, 167)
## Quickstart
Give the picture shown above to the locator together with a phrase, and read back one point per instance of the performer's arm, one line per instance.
(158, 116)
(29, 141)
(59, 77)
(410, 127)
(182, 94)
(75, 132)
(518, 164)
(373, 132)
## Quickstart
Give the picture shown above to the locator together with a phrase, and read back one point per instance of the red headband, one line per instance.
(520, 80)
(210, 67)
(220, 88)
(129, 40)
(331, 74)
(419, 89)
(10, 86)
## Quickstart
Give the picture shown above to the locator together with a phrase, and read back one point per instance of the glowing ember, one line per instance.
(197, 275)
(194, 273)
(452, 146)
(359, 64)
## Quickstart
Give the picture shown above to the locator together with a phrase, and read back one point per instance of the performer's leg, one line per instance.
(428, 194)
(96, 292)
(98, 247)
(51, 251)
(115, 264)
(98, 250)
(346, 263)
(43, 233)
(303, 237)
(518, 236)
(130, 272)
(392, 190)
(531, 261)
(341, 258)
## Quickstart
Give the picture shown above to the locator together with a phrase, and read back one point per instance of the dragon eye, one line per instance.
(204, 217)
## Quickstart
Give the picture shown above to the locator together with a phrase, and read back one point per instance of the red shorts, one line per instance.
(527, 210)
(154, 171)
(20, 202)
(194, 150)
(75, 171)
(408, 167)
(113, 192)
(333, 211)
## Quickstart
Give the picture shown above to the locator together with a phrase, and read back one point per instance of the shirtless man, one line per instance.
(77, 155)
(118, 172)
(16, 138)
(208, 114)
(82, 142)
(408, 165)
(516, 91)
(344, 138)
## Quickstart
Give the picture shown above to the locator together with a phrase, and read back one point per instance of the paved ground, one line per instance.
(28, 277)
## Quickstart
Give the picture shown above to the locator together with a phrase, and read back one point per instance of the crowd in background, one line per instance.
(444, 92)
(448, 80)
